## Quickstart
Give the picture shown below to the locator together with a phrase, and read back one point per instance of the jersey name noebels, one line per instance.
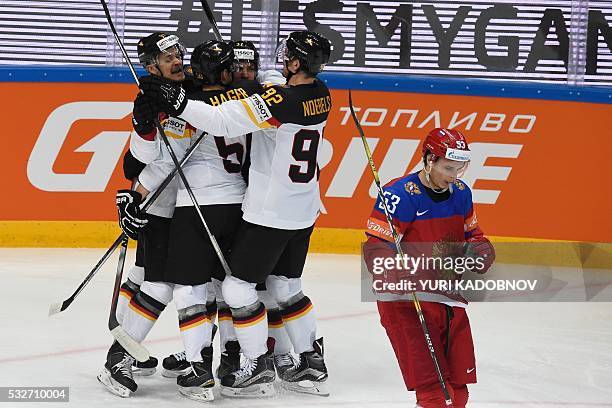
(317, 106)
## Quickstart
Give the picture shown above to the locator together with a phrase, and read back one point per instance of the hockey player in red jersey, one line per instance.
(431, 207)
(281, 205)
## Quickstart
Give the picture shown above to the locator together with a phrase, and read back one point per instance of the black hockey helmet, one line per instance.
(210, 58)
(245, 51)
(312, 49)
(151, 46)
(192, 82)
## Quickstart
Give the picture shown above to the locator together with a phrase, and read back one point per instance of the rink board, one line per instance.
(67, 130)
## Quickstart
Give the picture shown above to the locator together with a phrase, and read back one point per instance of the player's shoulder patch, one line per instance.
(460, 185)
(462, 189)
(259, 112)
(412, 188)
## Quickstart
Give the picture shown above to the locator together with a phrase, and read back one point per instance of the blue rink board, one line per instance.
(371, 82)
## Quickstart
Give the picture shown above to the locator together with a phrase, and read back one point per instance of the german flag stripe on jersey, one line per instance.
(259, 113)
(252, 318)
(193, 321)
(274, 122)
(146, 306)
(225, 314)
(275, 319)
(263, 125)
(297, 310)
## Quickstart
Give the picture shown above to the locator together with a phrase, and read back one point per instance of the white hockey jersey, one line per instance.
(283, 189)
(159, 163)
(214, 169)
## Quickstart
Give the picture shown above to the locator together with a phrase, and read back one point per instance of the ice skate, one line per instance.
(310, 374)
(282, 363)
(254, 379)
(145, 369)
(117, 373)
(198, 383)
(230, 360)
(175, 365)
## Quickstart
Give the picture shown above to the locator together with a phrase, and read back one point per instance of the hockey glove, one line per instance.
(481, 251)
(131, 218)
(169, 94)
(145, 111)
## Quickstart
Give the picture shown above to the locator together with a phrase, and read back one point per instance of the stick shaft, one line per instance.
(211, 19)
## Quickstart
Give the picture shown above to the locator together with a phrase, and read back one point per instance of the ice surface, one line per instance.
(528, 354)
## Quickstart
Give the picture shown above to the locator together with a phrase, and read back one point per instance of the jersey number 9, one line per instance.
(305, 148)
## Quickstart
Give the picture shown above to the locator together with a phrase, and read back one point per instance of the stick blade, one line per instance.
(136, 350)
(55, 308)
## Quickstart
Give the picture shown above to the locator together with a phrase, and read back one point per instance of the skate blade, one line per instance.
(143, 372)
(197, 393)
(114, 387)
(254, 391)
(174, 373)
(307, 387)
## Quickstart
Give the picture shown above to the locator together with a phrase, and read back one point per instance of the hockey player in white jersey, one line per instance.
(247, 68)
(162, 56)
(280, 208)
(214, 171)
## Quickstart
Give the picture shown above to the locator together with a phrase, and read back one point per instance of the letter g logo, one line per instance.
(107, 147)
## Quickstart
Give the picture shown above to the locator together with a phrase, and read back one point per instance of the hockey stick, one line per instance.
(396, 238)
(211, 19)
(164, 138)
(136, 350)
(61, 306)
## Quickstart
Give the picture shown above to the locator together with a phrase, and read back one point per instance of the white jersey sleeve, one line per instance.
(271, 77)
(144, 150)
(155, 172)
(232, 118)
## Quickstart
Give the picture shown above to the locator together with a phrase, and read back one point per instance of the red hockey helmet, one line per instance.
(447, 143)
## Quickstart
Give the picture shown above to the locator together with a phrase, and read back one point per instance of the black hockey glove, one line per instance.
(169, 94)
(145, 111)
(131, 218)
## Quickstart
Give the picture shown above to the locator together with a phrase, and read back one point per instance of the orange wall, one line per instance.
(542, 174)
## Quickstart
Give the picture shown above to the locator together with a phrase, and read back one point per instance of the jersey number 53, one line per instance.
(391, 200)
